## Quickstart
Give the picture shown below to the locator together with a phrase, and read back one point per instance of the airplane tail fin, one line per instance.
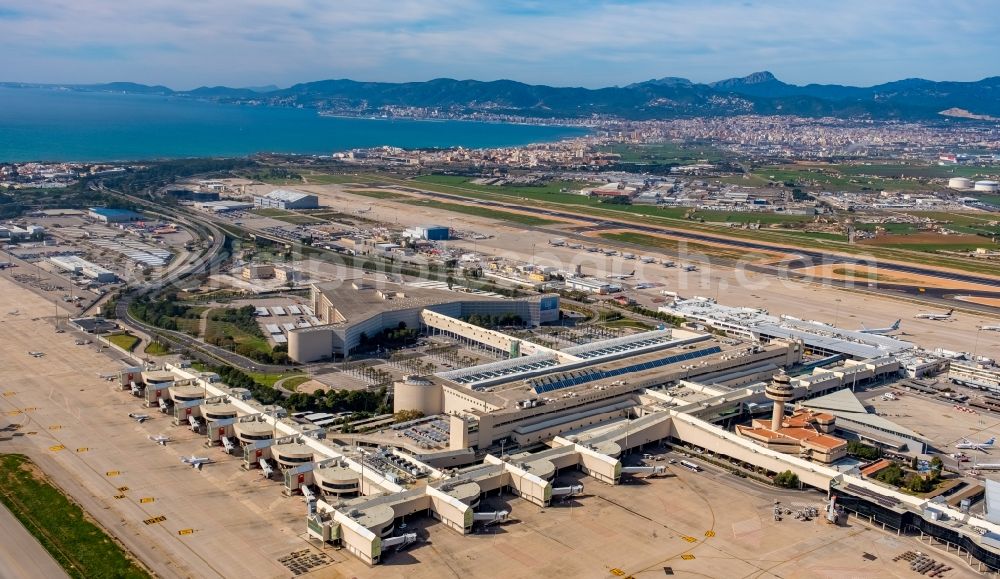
(990, 441)
(895, 325)
(951, 311)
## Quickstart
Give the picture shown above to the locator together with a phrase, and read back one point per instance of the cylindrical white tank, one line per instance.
(416, 393)
(987, 186)
(959, 183)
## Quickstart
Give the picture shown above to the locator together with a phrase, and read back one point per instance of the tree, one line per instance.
(891, 475)
(787, 479)
(407, 415)
(863, 451)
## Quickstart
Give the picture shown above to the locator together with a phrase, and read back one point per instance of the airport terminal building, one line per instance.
(354, 309)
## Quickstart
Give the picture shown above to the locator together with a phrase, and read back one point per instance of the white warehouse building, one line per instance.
(74, 264)
(287, 199)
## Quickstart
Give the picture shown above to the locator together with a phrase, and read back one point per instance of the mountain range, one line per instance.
(664, 98)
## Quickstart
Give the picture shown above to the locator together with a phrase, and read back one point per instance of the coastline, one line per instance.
(53, 125)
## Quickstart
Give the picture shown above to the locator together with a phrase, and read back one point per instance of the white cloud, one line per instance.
(185, 44)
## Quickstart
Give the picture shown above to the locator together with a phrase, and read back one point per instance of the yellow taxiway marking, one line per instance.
(690, 539)
(687, 556)
(82, 449)
(112, 473)
(154, 520)
(57, 448)
(185, 532)
(55, 427)
(9, 393)
(146, 499)
(709, 533)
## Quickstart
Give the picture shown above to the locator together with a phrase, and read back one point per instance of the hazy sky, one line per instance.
(188, 43)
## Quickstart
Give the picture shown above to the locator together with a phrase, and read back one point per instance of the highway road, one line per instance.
(21, 555)
(206, 262)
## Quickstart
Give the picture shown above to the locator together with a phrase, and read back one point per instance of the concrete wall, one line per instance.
(309, 345)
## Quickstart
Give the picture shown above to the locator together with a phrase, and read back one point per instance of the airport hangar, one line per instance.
(351, 308)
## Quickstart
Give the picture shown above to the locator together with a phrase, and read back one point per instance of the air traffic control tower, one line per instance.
(780, 391)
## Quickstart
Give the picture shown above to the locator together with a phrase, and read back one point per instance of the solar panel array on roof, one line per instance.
(621, 345)
(502, 368)
(273, 329)
(575, 378)
(262, 312)
(278, 311)
(279, 339)
(885, 501)
(294, 310)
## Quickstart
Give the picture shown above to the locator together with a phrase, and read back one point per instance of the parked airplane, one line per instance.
(967, 444)
(690, 268)
(879, 331)
(140, 418)
(933, 316)
(160, 439)
(669, 264)
(36, 354)
(196, 461)
(623, 275)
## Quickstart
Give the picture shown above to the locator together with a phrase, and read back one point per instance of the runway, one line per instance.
(807, 257)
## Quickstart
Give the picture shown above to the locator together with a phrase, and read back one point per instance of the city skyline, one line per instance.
(593, 44)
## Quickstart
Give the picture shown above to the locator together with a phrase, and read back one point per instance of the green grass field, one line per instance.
(157, 349)
(214, 329)
(296, 381)
(668, 153)
(126, 342)
(482, 212)
(265, 379)
(674, 245)
(377, 194)
(82, 548)
(271, 212)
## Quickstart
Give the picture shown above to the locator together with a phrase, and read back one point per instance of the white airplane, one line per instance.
(140, 418)
(36, 354)
(622, 275)
(879, 331)
(196, 461)
(933, 316)
(160, 439)
(990, 328)
(967, 444)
